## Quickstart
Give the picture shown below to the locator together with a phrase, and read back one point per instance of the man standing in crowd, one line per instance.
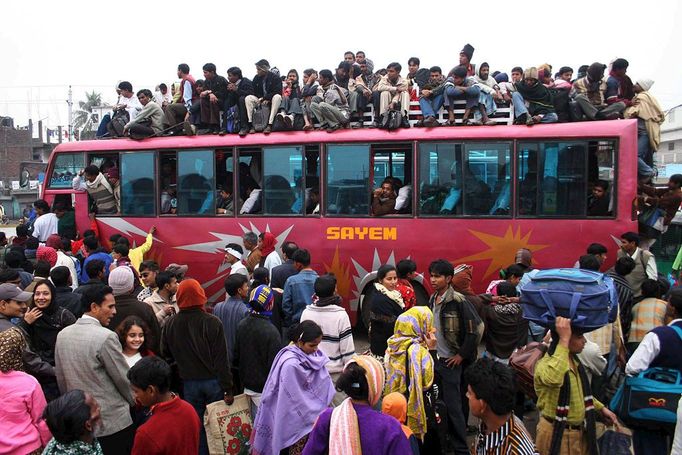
(645, 262)
(47, 222)
(233, 256)
(162, 300)
(299, 289)
(252, 258)
(195, 341)
(233, 309)
(148, 271)
(89, 357)
(95, 252)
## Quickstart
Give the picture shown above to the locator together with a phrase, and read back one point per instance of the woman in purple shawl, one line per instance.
(297, 390)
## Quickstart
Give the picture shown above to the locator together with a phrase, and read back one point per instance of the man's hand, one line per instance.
(212, 98)
(454, 361)
(32, 315)
(231, 87)
(563, 328)
(152, 231)
(609, 417)
(377, 192)
(229, 399)
(169, 310)
(426, 93)
(430, 340)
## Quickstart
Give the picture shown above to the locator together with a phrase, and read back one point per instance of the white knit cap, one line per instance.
(121, 280)
(645, 83)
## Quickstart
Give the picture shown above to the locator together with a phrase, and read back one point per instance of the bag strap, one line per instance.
(677, 330)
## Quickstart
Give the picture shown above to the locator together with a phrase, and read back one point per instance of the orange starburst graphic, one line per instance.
(502, 250)
(340, 271)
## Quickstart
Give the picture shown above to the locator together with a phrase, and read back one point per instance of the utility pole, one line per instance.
(69, 102)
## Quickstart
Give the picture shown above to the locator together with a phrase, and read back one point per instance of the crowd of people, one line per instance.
(104, 351)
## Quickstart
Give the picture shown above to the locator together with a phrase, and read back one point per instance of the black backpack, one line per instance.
(261, 116)
(118, 123)
(392, 119)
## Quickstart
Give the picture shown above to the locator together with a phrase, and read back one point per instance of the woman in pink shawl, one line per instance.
(297, 390)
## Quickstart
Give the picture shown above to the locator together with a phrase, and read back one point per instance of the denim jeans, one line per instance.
(199, 393)
(643, 149)
(450, 381)
(431, 106)
(520, 109)
(470, 94)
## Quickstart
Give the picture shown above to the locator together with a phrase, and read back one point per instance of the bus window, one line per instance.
(249, 181)
(196, 183)
(392, 164)
(168, 172)
(137, 187)
(312, 180)
(551, 179)
(486, 179)
(348, 189)
(440, 179)
(283, 180)
(66, 167)
(224, 166)
(601, 156)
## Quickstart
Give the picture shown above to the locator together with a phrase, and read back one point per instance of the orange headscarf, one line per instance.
(395, 405)
(190, 294)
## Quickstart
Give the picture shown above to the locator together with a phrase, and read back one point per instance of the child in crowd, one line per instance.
(133, 334)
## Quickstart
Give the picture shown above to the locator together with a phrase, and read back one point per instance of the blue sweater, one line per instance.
(102, 256)
(298, 293)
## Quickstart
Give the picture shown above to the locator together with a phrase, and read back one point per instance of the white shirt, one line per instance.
(651, 269)
(132, 105)
(238, 267)
(645, 353)
(45, 226)
(64, 260)
(272, 261)
(132, 360)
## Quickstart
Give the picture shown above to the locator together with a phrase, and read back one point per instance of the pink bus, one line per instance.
(471, 195)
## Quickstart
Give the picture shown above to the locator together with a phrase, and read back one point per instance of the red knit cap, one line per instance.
(190, 294)
(46, 253)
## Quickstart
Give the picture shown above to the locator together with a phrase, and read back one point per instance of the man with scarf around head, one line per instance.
(195, 340)
(568, 411)
(256, 345)
(589, 96)
(650, 116)
(537, 97)
(337, 334)
(98, 187)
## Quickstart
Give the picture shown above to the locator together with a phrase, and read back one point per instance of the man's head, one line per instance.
(301, 259)
(209, 71)
(163, 88)
(600, 188)
(531, 76)
(225, 193)
(3, 239)
(413, 65)
(72, 417)
(393, 71)
(675, 305)
(598, 250)
(307, 73)
(466, 54)
(406, 268)
(167, 282)
(22, 230)
(625, 265)
(325, 286)
(150, 379)
(620, 67)
(13, 259)
(126, 88)
(651, 289)
(595, 72)
(250, 240)
(144, 96)
(262, 67)
(459, 74)
(119, 251)
(234, 74)
(343, 70)
(589, 262)
(91, 244)
(91, 172)
(101, 303)
(122, 280)
(517, 74)
(237, 285)
(629, 242)
(491, 389)
(148, 272)
(360, 57)
(41, 207)
(183, 70)
(288, 249)
(95, 269)
(675, 182)
(643, 85)
(13, 301)
(233, 253)
(349, 57)
(441, 273)
(566, 73)
(387, 189)
(326, 77)
(435, 72)
(484, 71)
(60, 276)
(514, 273)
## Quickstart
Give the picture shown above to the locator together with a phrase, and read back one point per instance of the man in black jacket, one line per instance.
(66, 298)
(238, 88)
(267, 88)
(278, 277)
(212, 98)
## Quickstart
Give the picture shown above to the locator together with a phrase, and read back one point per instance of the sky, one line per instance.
(47, 46)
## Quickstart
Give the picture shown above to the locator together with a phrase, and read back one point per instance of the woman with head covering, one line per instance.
(42, 323)
(269, 257)
(354, 427)
(386, 304)
(23, 430)
(409, 365)
(395, 405)
(297, 390)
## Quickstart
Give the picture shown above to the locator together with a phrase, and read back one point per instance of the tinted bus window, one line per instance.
(487, 179)
(66, 167)
(137, 187)
(392, 164)
(283, 180)
(196, 184)
(348, 189)
(250, 181)
(440, 189)
(312, 180)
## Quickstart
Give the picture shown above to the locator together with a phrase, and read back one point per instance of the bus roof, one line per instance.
(556, 131)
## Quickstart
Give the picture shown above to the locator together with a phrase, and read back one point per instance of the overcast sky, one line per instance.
(49, 45)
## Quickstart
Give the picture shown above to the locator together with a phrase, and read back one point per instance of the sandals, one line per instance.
(490, 122)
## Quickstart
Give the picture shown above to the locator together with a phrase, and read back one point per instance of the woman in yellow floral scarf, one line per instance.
(414, 335)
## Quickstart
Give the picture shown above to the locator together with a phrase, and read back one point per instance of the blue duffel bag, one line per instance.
(587, 298)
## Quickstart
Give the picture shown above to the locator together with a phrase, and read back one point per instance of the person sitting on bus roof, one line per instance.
(308, 91)
(238, 88)
(459, 87)
(383, 198)
(540, 107)
(267, 88)
(98, 187)
(431, 98)
(149, 122)
(619, 86)
(176, 112)
(394, 92)
(563, 81)
(650, 116)
(127, 100)
(212, 99)
(162, 96)
(489, 93)
(598, 202)
(330, 105)
(589, 97)
(465, 56)
(342, 76)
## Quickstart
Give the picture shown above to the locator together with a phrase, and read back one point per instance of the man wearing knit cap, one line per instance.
(267, 88)
(540, 107)
(195, 341)
(465, 56)
(589, 96)
(650, 116)
(122, 283)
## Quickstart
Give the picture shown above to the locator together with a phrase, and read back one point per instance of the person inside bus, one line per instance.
(169, 200)
(598, 202)
(313, 201)
(589, 96)
(540, 108)
(225, 205)
(99, 189)
(383, 198)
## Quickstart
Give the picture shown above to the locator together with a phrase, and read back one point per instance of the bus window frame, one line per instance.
(50, 171)
(616, 170)
(231, 151)
(463, 143)
(157, 194)
(324, 181)
(373, 150)
(177, 176)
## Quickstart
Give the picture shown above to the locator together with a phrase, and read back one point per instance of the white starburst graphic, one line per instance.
(363, 276)
(124, 227)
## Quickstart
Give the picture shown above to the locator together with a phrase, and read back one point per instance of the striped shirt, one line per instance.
(337, 334)
(646, 315)
(510, 439)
